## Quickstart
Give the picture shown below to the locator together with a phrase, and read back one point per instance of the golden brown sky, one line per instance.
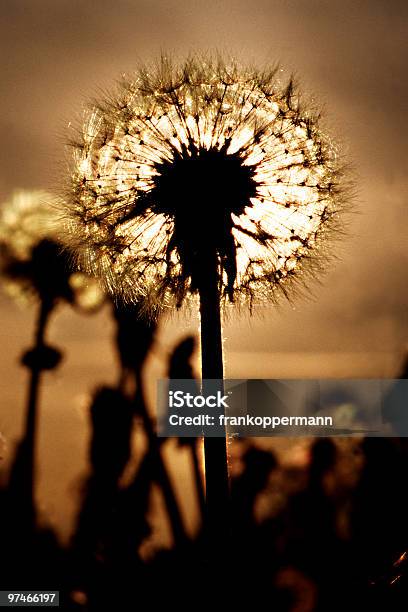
(352, 54)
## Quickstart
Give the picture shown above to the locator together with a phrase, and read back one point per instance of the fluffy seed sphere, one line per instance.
(34, 261)
(198, 159)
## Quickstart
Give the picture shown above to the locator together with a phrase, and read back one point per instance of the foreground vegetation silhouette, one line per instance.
(321, 542)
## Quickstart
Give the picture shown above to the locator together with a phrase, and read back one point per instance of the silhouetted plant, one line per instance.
(180, 368)
(110, 447)
(35, 267)
(204, 178)
(134, 339)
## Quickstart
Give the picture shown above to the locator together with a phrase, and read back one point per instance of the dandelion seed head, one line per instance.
(25, 219)
(197, 158)
(33, 256)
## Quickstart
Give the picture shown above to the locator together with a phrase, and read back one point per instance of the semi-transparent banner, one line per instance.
(262, 408)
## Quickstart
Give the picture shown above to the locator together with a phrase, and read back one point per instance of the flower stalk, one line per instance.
(215, 449)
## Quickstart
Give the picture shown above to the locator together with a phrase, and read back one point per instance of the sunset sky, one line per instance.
(351, 55)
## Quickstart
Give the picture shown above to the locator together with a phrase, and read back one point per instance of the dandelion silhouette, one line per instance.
(34, 267)
(204, 178)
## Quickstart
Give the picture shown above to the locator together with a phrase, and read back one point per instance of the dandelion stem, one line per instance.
(198, 478)
(31, 416)
(22, 476)
(215, 451)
